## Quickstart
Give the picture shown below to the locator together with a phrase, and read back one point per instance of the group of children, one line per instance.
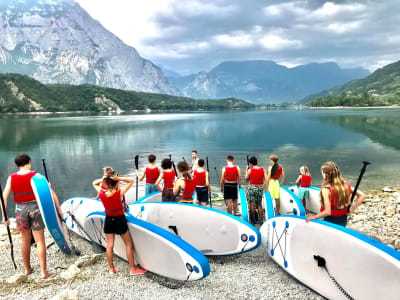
(335, 197)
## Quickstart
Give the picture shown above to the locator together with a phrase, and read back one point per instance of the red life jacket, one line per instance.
(231, 173)
(112, 205)
(278, 173)
(200, 177)
(187, 194)
(305, 180)
(256, 176)
(103, 186)
(169, 178)
(21, 187)
(152, 175)
(335, 211)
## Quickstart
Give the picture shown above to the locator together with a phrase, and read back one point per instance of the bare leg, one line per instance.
(278, 206)
(203, 203)
(26, 250)
(235, 207)
(304, 203)
(109, 249)
(126, 237)
(229, 204)
(260, 212)
(252, 212)
(41, 251)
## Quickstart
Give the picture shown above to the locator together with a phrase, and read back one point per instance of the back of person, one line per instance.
(21, 187)
(187, 194)
(112, 203)
(231, 174)
(152, 174)
(257, 176)
(202, 183)
(200, 177)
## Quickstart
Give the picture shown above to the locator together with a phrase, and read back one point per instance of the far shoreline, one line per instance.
(352, 107)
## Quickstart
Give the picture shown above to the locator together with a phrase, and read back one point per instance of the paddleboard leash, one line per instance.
(322, 263)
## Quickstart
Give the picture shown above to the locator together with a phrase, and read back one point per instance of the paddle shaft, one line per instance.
(247, 158)
(8, 228)
(137, 177)
(45, 169)
(209, 183)
(363, 169)
(215, 168)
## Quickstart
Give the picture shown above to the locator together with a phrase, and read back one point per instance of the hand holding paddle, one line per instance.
(363, 169)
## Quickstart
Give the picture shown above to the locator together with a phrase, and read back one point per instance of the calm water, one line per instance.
(77, 147)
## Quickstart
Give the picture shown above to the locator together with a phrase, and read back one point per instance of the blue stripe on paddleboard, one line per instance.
(49, 212)
(388, 250)
(145, 197)
(310, 187)
(255, 230)
(302, 212)
(243, 205)
(189, 249)
(270, 206)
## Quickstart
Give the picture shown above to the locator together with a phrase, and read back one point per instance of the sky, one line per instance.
(188, 36)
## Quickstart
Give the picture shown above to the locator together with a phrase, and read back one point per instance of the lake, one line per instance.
(77, 147)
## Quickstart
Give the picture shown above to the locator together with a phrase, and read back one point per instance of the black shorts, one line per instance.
(202, 194)
(230, 191)
(117, 225)
(167, 195)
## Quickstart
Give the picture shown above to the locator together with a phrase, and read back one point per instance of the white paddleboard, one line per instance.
(363, 267)
(49, 212)
(313, 202)
(211, 231)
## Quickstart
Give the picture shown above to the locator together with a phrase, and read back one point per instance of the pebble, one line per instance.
(17, 279)
(66, 295)
(71, 272)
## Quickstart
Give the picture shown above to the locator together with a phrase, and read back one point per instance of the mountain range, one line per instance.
(263, 81)
(56, 41)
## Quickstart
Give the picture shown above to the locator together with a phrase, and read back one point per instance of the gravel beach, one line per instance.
(251, 275)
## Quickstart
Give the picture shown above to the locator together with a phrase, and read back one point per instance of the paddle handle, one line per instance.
(209, 183)
(363, 169)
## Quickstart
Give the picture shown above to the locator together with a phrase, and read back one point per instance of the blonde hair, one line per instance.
(274, 158)
(334, 178)
(108, 171)
(304, 170)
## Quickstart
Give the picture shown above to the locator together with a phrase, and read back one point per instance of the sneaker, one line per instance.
(112, 271)
(137, 272)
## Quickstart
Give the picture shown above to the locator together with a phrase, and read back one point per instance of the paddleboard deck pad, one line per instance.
(49, 213)
(209, 230)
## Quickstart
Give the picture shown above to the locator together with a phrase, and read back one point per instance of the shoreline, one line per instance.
(86, 277)
(352, 107)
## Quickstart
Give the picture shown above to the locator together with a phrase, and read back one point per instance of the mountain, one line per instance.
(265, 81)
(381, 88)
(56, 41)
(20, 93)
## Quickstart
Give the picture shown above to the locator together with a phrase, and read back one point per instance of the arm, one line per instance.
(283, 177)
(129, 181)
(240, 177)
(143, 175)
(6, 193)
(97, 184)
(158, 181)
(298, 180)
(222, 179)
(360, 198)
(57, 204)
(178, 185)
(268, 178)
(265, 185)
(327, 206)
(208, 181)
(247, 177)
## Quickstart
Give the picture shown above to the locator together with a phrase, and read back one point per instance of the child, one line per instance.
(168, 175)
(275, 172)
(187, 184)
(27, 213)
(151, 173)
(304, 180)
(255, 175)
(203, 184)
(115, 221)
(229, 184)
(336, 196)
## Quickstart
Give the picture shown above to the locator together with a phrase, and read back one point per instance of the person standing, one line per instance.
(230, 178)
(303, 182)
(195, 161)
(275, 172)
(256, 176)
(152, 172)
(27, 213)
(168, 176)
(187, 185)
(203, 184)
(336, 196)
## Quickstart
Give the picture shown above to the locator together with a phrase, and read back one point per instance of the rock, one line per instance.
(5, 245)
(66, 295)
(357, 218)
(87, 260)
(397, 244)
(396, 194)
(387, 189)
(390, 210)
(17, 279)
(71, 272)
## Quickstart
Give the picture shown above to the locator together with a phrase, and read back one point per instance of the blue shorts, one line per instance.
(150, 188)
(202, 194)
(303, 193)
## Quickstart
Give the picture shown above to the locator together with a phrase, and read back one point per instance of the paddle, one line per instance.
(8, 228)
(209, 192)
(176, 173)
(183, 159)
(363, 169)
(137, 177)
(247, 157)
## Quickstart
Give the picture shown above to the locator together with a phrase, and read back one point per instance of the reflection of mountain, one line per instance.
(384, 130)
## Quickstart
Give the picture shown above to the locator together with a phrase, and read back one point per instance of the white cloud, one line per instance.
(330, 9)
(295, 7)
(274, 43)
(239, 40)
(341, 28)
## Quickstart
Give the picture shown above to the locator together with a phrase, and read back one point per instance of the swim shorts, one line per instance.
(28, 216)
(303, 193)
(274, 188)
(117, 225)
(254, 193)
(202, 194)
(230, 191)
(167, 195)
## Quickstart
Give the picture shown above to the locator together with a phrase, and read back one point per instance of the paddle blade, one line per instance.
(137, 162)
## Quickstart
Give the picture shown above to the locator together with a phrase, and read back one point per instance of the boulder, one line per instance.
(387, 189)
(66, 295)
(17, 279)
(71, 272)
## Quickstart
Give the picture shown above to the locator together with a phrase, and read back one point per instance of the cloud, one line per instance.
(193, 35)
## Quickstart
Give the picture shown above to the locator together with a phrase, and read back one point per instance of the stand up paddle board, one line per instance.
(336, 262)
(49, 212)
(211, 231)
(156, 249)
(313, 202)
